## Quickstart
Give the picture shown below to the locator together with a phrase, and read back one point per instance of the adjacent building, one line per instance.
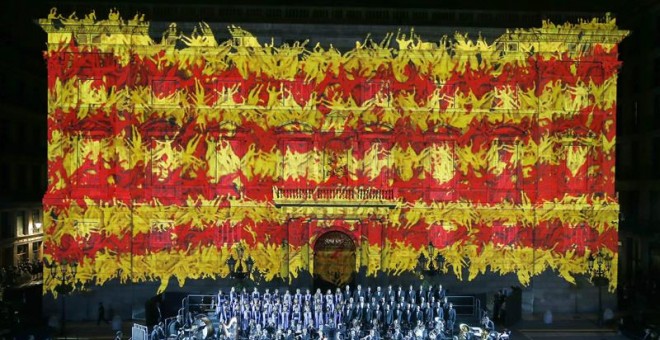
(638, 151)
(22, 144)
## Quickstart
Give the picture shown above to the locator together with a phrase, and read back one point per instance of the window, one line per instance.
(21, 224)
(441, 165)
(22, 253)
(36, 250)
(441, 234)
(656, 72)
(294, 94)
(165, 92)
(4, 177)
(164, 162)
(297, 160)
(229, 92)
(504, 234)
(14, 170)
(226, 165)
(447, 95)
(89, 162)
(657, 30)
(376, 161)
(36, 221)
(92, 90)
(85, 229)
(579, 238)
(336, 158)
(227, 234)
(8, 256)
(575, 162)
(36, 179)
(160, 236)
(5, 134)
(377, 91)
(506, 97)
(655, 158)
(504, 166)
(655, 206)
(5, 225)
(656, 112)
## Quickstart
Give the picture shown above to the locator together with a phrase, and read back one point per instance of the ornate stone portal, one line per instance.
(334, 260)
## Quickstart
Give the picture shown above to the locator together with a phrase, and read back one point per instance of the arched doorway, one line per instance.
(334, 260)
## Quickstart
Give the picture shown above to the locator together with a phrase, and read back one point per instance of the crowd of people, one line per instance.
(23, 272)
(389, 313)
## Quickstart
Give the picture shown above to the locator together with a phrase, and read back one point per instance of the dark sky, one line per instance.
(17, 16)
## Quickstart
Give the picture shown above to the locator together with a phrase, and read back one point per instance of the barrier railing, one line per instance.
(195, 304)
(466, 305)
(335, 195)
(139, 332)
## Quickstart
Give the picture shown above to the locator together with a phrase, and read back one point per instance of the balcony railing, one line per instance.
(344, 196)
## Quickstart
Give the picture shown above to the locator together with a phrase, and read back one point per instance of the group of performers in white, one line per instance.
(357, 313)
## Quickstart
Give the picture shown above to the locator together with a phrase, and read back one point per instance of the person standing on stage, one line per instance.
(220, 298)
(267, 295)
(419, 315)
(379, 295)
(101, 314)
(396, 334)
(379, 316)
(400, 293)
(232, 295)
(398, 314)
(488, 324)
(439, 311)
(318, 315)
(329, 298)
(245, 296)
(318, 296)
(329, 312)
(347, 293)
(339, 297)
(389, 293)
(451, 317)
(421, 294)
(338, 313)
(408, 316)
(411, 295)
(428, 313)
(245, 318)
(286, 299)
(349, 312)
(284, 317)
(255, 314)
(308, 297)
(430, 293)
(255, 294)
(441, 293)
(296, 317)
(305, 334)
(388, 317)
(358, 294)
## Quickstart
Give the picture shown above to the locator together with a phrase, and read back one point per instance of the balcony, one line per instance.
(335, 196)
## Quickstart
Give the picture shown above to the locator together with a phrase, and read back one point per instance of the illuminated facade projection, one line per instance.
(165, 154)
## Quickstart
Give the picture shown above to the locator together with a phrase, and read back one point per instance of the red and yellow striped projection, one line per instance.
(163, 155)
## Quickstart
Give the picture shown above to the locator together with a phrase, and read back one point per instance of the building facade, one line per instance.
(169, 155)
(638, 152)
